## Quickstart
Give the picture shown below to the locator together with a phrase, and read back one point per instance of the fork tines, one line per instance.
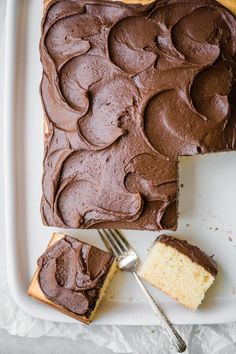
(114, 241)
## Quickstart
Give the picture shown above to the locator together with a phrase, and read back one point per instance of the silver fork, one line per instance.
(127, 259)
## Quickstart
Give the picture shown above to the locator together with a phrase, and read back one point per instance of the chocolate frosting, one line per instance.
(193, 252)
(126, 89)
(71, 274)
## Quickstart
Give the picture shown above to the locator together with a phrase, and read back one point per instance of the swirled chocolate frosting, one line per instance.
(126, 89)
(71, 274)
(193, 252)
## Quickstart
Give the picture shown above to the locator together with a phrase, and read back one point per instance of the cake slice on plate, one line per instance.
(72, 277)
(179, 269)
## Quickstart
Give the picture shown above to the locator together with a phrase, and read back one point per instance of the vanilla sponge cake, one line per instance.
(72, 277)
(179, 269)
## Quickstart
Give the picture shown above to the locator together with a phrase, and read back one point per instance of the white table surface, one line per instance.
(217, 339)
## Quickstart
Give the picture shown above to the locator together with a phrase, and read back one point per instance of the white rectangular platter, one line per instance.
(207, 200)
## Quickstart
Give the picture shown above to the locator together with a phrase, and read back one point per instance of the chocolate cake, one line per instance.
(179, 269)
(72, 277)
(126, 90)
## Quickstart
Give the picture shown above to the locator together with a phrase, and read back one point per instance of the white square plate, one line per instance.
(207, 200)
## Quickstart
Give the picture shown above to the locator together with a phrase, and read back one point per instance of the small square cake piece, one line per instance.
(72, 277)
(180, 270)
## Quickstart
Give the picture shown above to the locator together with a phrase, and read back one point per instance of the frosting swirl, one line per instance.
(126, 89)
(71, 274)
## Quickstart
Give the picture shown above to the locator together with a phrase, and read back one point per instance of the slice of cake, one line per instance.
(72, 277)
(179, 269)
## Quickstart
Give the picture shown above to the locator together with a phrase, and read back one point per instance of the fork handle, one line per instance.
(174, 336)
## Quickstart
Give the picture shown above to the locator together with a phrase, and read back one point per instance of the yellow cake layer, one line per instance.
(177, 275)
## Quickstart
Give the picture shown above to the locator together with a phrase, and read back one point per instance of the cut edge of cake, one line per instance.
(229, 4)
(176, 274)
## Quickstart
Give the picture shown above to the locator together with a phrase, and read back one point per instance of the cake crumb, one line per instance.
(111, 297)
(187, 225)
(216, 228)
(182, 186)
(230, 239)
(210, 228)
